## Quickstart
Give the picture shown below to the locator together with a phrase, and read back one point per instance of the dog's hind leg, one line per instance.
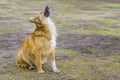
(30, 65)
(19, 61)
(28, 62)
(22, 63)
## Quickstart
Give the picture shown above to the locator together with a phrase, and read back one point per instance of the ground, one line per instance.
(88, 43)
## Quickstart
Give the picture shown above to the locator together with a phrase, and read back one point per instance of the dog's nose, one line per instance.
(47, 11)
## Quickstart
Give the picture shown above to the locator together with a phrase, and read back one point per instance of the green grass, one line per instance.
(65, 5)
(106, 21)
(110, 5)
(91, 51)
(70, 14)
(78, 68)
(104, 32)
(61, 24)
(68, 52)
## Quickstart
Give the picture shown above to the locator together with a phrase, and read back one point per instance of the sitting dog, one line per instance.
(40, 45)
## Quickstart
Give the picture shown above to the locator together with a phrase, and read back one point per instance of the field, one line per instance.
(88, 42)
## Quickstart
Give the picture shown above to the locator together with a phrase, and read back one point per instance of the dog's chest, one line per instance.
(53, 36)
(53, 42)
(53, 32)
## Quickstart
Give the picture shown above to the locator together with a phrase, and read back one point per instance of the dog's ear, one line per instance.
(47, 11)
(32, 19)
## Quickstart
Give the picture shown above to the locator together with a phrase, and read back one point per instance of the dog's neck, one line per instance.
(42, 31)
(50, 25)
(48, 30)
(52, 28)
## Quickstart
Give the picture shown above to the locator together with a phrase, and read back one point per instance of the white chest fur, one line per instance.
(53, 32)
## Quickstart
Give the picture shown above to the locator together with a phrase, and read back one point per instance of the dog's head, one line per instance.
(41, 17)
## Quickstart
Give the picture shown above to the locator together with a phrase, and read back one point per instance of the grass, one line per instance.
(68, 52)
(91, 50)
(61, 24)
(106, 21)
(104, 32)
(80, 68)
(65, 6)
(110, 5)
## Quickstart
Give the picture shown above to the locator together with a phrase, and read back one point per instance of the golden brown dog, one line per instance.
(40, 45)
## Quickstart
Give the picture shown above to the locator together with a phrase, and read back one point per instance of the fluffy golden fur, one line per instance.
(40, 45)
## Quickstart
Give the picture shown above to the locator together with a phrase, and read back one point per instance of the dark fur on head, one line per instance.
(47, 11)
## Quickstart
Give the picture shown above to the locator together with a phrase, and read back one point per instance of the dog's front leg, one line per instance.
(38, 62)
(53, 63)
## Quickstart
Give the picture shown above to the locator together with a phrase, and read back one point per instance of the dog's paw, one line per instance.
(42, 72)
(56, 71)
(31, 67)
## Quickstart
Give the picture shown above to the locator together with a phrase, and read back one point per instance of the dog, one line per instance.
(40, 45)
